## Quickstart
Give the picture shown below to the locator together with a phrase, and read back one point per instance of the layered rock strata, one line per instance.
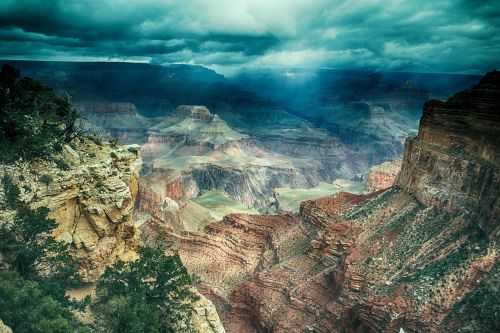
(382, 176)
(421, 256)
(90, 191)
(454, 160)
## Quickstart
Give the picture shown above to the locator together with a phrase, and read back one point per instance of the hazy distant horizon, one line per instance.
(233, 72)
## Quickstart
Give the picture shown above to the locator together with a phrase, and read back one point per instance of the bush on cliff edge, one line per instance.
(34, 122)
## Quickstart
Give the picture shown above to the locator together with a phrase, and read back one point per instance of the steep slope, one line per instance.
(407, 257)
(454, 160)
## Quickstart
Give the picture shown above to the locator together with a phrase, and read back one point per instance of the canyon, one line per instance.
(421, 255)
(285, 220)
(90, 190)
(254, 148)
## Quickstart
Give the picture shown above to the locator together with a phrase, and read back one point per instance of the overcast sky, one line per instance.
(226, 35)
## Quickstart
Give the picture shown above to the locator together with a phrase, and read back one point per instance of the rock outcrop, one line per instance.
(4, 328)
(420, 256)
(382, 176)
(205, 318)
(454, 160)
(90, 191)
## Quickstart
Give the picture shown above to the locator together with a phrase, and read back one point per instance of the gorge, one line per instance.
(260, 216)
(249, 166)
(418, 256)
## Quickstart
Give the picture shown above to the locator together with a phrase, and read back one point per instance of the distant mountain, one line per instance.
(372, 112)
(154, 90)
(302, 89)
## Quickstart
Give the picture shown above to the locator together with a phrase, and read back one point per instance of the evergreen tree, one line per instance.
(34, 122)
(27, 309)
(34, 253)
(150, 294)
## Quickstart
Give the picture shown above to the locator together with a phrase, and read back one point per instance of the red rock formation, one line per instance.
(382, 176)
(154, 188)
(454, 160)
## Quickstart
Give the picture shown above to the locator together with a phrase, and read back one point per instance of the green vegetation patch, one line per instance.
(34, 122)
(368, 207)
(479, 310)
(151, 294)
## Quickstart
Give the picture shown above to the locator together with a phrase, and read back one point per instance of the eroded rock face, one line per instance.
(91, 200)
(382, 176)
(454, 160)
(205, 318)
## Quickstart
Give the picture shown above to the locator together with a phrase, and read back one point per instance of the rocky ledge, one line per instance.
(90, 190)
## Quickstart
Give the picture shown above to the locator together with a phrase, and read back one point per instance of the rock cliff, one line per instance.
(90, 191)
(382, 176)
(454, 160)
(421, 256)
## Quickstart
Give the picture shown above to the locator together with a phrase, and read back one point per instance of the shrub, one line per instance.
(11, 191)
(113, 154)
(95, 139)
(133, 150)
(46, 179)
(149, 294)
(113, 142)
(61, 164)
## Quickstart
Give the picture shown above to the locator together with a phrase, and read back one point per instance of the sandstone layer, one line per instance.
(90, 191)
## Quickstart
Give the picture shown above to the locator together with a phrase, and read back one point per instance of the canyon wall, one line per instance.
(382, 176)
(454, 160)
(420, 256)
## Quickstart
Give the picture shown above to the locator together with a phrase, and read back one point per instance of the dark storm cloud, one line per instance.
(443, 36)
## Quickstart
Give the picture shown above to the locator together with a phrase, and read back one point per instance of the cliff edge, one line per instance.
(90, 190)
(454, 160)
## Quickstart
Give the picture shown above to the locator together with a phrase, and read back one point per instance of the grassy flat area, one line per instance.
(220, 204)
(290, 199)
